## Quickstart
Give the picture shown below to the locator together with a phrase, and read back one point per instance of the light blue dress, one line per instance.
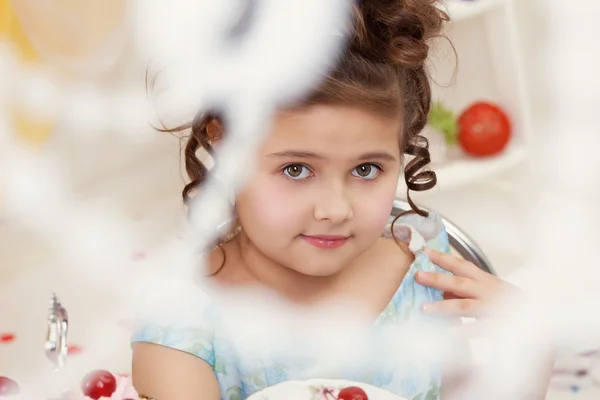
(239, 378)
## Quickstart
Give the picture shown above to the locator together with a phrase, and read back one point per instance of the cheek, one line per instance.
(375, 206)
(270, 206)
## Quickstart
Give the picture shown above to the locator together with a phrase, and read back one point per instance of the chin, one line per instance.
(320, 268)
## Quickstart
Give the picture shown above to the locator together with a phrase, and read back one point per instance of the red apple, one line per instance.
(484, 129)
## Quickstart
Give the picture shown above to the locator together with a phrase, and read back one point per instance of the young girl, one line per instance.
(312, 222)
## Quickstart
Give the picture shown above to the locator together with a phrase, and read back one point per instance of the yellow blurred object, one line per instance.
(32, 130)
(11, 30)
(28, 128)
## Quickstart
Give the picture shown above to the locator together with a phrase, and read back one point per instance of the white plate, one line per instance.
(306, 390)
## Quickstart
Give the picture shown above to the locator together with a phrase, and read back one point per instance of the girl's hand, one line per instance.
(469, 292)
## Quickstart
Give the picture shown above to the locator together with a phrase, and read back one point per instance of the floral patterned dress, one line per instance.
(240, 375)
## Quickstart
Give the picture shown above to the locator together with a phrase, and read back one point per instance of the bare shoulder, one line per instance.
(386, 257)
(395, 254)
(381, 270)
(170, 374)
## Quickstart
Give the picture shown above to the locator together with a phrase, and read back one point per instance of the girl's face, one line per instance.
(323, 187)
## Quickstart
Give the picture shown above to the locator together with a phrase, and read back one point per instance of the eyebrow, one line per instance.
(377, 155)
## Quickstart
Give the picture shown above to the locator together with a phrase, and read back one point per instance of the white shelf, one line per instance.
(464, 9)
(486, 42)
(461, 170)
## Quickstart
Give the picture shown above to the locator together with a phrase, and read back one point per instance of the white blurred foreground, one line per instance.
(247, 79)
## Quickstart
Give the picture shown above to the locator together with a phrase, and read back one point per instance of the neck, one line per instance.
(286, 282)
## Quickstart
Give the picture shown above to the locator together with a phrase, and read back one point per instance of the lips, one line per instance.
(326, 241)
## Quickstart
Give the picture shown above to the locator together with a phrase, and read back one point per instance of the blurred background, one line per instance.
(484, 182)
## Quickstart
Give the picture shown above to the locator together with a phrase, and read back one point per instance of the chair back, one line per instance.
(460, 242)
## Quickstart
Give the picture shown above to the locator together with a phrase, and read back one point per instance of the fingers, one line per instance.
(468, 291)
(450, 296)
(455, 265)
(457, 285)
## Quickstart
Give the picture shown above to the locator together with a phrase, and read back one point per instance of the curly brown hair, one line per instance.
(382, 69)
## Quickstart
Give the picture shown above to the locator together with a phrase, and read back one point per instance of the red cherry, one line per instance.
(98, 384)
(7, 337)
(73, 349)
(8, 387)
(352, 393)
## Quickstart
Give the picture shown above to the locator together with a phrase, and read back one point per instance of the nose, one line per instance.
(333, 204)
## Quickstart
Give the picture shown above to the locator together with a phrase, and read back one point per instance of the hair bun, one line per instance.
(396, 31)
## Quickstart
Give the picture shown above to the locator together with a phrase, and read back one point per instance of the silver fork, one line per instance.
(56, 336)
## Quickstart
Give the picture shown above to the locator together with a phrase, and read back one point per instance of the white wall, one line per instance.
(532, 24)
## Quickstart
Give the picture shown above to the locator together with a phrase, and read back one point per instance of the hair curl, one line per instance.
(383, 69)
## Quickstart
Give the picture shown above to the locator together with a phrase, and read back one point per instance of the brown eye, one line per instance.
(296, 171)
(366, 171)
